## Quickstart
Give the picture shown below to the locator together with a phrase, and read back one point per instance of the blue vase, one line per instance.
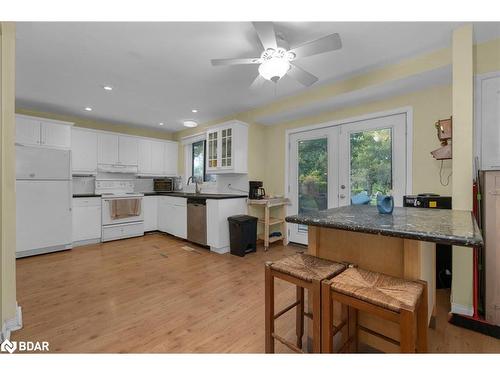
(385, 204)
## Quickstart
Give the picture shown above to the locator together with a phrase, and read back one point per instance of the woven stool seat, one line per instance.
(307, 267)
(376, 288)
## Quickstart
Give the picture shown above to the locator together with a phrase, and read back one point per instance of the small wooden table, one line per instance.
(269, 221)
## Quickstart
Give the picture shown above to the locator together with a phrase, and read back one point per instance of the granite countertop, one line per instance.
(452, 227)
(87, 195)
(200, 196)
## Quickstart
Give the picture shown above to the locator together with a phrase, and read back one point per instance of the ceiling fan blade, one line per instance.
(328, 43)
(254, 60)
(267, 36)
(304, 77)
(258, 82)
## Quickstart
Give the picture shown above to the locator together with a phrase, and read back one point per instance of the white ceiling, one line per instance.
(160, 71)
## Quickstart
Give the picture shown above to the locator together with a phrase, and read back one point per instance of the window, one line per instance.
(198, 161)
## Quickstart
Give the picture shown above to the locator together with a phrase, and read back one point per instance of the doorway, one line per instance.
(330, 165)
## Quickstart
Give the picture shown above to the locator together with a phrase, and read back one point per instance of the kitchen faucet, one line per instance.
(196, 182)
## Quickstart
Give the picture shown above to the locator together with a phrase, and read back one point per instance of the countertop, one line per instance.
(452, 227)
(200, 196)
(175, 194)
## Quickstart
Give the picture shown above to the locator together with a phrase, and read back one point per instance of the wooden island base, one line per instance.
(405, 258)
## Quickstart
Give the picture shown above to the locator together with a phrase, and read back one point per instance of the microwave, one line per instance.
(164, 185)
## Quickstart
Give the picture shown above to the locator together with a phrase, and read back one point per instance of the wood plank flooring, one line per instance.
(154, 294)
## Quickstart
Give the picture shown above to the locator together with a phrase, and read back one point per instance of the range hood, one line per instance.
(117, 168)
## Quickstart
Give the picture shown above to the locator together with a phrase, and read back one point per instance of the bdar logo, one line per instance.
(8, 346)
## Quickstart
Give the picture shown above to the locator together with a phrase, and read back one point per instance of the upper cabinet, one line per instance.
(157, 158)
(84, 151)
(34, 131)
(117, 149)
(227, 148)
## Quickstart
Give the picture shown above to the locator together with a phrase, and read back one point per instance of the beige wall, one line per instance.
(98, 125)
(7, 171)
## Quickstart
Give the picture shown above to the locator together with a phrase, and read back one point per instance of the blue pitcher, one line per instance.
(385, 204)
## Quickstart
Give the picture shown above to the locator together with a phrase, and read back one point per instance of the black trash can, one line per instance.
(242, 234)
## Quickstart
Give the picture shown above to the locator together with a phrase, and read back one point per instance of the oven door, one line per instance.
(121, 210)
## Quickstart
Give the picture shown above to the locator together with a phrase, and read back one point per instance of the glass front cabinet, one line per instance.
(227, 148)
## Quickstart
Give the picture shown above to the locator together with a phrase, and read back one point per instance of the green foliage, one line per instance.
(371, 167)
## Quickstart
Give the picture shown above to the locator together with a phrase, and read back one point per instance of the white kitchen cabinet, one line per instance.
(84, 151)
(34, 131)
(489, 116)
(86, 220)
(144, 157)
(227, 148)
(108, 148)
(55, 135)
(157, 157)
(117, 149)
(127, 150)
(170, 154)
(150, 210)
(27, 130)
(172, 216)
(218, 210)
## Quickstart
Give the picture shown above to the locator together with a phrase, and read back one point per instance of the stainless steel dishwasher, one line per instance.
(197, 220)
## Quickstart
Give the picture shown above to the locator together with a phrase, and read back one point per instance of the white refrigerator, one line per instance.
(43, 200)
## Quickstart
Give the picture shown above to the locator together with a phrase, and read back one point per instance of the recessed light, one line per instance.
(108, 88)
(190, 124)
(88, 109)
(161, 123)
(194, 110)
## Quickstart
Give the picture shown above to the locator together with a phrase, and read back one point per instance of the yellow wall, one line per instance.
(463, 119)
(7, 171)
(98, 125)
(428, 106)
(487, 57)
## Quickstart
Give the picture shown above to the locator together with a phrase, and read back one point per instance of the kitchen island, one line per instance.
(400, 245)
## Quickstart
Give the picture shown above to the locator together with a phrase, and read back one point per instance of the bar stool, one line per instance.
(305, 271)
(391, 298)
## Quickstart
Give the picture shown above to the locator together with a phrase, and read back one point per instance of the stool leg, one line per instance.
(316, 298)
(269, 319)
(326, 319)
(299, 311)
(406, 331)
(422, 322)
(353, 329)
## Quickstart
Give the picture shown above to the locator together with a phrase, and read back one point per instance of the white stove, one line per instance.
(122, 213)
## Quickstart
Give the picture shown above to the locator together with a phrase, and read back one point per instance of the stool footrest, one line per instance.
(379, 335)
(337, 329)
(287, 343)
(286, 309)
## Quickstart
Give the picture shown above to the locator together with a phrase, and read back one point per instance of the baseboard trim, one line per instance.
(220, 250)
(462, 309)
(12, 324)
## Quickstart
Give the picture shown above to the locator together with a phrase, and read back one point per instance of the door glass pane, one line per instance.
(312, 176)
(371, 162)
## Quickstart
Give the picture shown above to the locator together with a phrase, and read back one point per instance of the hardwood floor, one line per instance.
(153, 294)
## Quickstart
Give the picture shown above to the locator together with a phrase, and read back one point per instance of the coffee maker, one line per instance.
(256, 191)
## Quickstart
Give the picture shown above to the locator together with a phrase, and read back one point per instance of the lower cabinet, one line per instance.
(172, 216)
(218, 210)
(86, 219)
(150, 210)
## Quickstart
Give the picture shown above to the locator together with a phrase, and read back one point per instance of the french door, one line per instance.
(331, 165)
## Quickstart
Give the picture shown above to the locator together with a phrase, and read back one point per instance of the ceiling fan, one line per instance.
(278, 59)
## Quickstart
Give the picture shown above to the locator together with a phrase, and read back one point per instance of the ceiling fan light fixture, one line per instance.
(274, 68)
